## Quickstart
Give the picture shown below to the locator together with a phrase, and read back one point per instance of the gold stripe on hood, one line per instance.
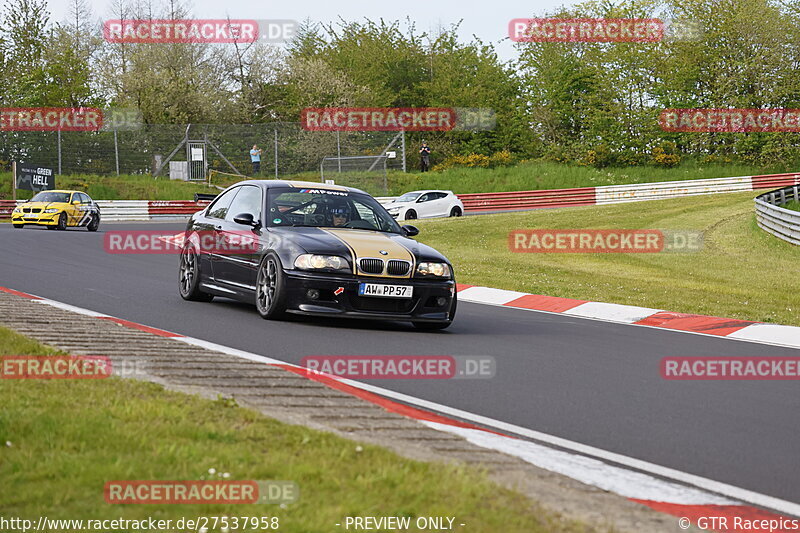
(365, 243)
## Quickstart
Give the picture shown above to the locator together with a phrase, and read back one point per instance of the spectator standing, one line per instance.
(255, 158)
(425, 157)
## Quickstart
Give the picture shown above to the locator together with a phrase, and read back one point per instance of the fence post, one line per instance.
(339, 151)
(403, 141)
(59, 150)
(116, 148)
(276, 152)
(14, 179)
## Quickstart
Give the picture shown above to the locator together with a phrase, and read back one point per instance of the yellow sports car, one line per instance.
(58, 210)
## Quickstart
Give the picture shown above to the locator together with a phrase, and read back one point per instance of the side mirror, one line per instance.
(245, 219)
(410, 231)
(76, 202)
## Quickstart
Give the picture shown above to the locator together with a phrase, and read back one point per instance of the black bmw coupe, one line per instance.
(314, 249)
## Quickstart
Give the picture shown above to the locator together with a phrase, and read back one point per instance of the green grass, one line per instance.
(68, 437)
(524, 176)
(794, 205)
(742, 271)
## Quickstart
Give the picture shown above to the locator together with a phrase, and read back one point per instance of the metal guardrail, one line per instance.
(494, 201)
(132, 210)
(779, 221)
(611, 194)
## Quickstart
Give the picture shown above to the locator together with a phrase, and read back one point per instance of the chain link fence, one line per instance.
(287, 149)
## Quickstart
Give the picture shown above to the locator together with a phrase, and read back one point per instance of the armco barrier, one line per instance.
(612, 194)
(132, 210)
(493, 201)
(781, 222)
(528, 199)
(116, 210)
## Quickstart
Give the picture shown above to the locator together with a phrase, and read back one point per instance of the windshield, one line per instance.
(409, 197)
(322, 208)
(48, 196)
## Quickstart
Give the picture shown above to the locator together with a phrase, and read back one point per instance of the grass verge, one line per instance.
(61, 440)
(742, 272)
(794, 205)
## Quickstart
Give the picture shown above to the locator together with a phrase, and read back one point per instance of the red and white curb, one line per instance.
(731, 328)
(663, 489)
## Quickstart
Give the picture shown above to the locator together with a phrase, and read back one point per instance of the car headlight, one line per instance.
(321, 262)
(394, 210)
(51, 210)
(17, 209)
(440, 270)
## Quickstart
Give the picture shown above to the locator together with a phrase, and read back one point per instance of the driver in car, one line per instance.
(340, 215)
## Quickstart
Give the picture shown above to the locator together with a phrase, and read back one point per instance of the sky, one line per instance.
(486, 19)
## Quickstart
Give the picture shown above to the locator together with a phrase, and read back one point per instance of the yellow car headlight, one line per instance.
(440, 270)
(51, 210)
(321, 262)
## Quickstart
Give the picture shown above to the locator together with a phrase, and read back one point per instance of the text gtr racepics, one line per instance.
(58, 210)
(321, 250)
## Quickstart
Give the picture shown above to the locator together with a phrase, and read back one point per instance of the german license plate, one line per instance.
(385, 291)
(32, 215)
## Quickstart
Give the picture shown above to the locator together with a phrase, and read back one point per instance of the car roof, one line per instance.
(428, 190)
(268, 184)
(62, 190)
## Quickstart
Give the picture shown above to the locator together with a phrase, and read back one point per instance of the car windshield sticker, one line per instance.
(324, 191)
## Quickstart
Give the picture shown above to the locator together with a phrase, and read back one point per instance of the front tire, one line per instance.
(271, 288)
(189, 276)
(411, 214)
(94, 223)
(62, 222)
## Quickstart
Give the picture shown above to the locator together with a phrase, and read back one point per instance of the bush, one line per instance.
(665, 155)
(503, 158)
(498, 159)
(716, 159)
(601, 156)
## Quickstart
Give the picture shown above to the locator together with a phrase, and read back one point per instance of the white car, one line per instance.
(425, 204)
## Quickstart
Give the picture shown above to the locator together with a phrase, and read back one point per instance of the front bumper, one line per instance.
(44, 219)
(422, 307)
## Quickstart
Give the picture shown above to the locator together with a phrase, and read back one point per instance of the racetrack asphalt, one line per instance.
(593, 382)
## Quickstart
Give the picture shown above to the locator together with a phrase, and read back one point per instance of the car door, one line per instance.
(209, 228)
(238, 266)
(73, 210)
(439, 205)
(85, 209)
(423, 205)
